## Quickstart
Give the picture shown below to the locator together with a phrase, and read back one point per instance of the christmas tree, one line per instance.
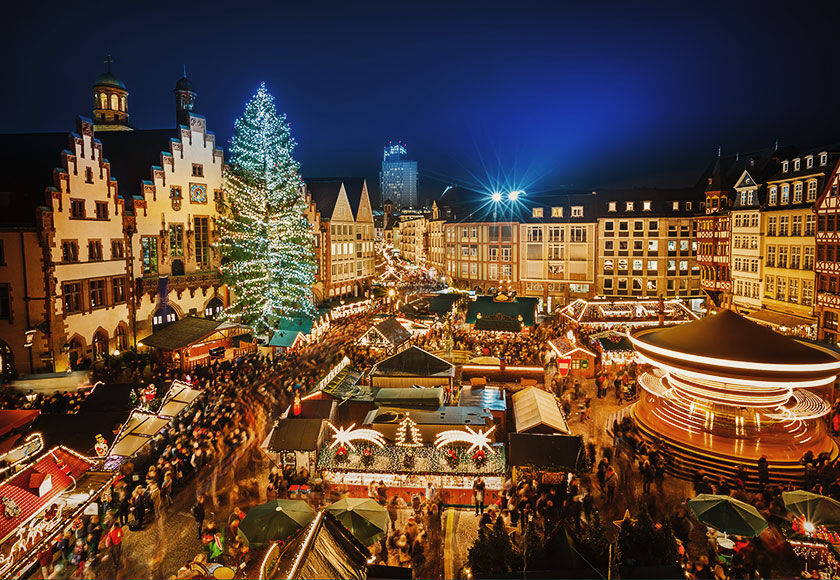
(265, 237)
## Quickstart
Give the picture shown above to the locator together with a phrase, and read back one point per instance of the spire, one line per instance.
(108, 61)
(776, 148)
(718, 151)
(185, 71)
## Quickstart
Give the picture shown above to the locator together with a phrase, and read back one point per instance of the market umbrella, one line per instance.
(278, 519)
(367, 520)
(727, 514)
(817, 509)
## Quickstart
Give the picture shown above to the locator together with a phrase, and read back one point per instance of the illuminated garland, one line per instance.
(265, 236)
(344, 437)
(408, 434)
(477, 440)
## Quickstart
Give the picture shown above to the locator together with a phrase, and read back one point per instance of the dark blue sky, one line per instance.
(586, 94)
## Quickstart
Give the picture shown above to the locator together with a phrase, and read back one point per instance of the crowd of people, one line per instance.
(57, 402)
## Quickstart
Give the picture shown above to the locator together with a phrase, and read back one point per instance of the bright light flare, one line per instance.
(496, 197)
(809, 527)
(515, 194)
(480, 439)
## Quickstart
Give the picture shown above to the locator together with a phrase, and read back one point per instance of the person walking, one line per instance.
(610, 481)
(197, 512)
(114, 542)
(478, 495)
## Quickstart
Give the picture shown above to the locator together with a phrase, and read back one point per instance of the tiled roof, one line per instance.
(18, 487)
(132, 155)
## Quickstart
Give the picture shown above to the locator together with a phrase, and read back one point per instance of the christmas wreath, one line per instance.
(367, 456)
(479, 457)
(408, 459)
(341, 454)
(451, 457)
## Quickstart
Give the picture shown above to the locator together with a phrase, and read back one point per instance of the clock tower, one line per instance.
(184, 100)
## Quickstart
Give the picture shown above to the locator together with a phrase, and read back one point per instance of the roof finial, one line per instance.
(776, 148)
(185, 71)
(108, 61)
(718, 151)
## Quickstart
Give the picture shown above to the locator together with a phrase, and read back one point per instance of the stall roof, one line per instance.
(392, 331)
(295, 435)
(137, 431)
(289, 330)
(326, 549)
(428, 399)
(189, 330)
(343, 385)
(21, 489)
(179, 396)
(413, 362)
(441, 416)
(485, 313)
(534, 408)
(491, 398)
(16, 418)
(442, 303)
(549, 452)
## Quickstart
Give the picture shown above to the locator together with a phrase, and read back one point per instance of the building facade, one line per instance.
(398, 177)
(647, 244)
(480, 254)
(827, 264)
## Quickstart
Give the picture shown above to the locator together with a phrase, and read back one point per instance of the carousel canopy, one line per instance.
(413, 362)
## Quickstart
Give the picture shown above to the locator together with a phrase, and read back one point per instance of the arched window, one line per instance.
(812, 190)
(7, 361)
(213, 308)
(122, 338)
(122, 103)
(115, 103)
(100, 345)
(162, 317)
(797, 192)
(103, 101)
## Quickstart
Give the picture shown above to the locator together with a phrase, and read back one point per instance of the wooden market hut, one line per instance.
(387, 334)
(413, 367)
(189, 341)
(537, 411)
(574, 360)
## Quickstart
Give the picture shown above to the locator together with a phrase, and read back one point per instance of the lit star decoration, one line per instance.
(408, 434)
(477, 440)
(263, 232)
(344, 437)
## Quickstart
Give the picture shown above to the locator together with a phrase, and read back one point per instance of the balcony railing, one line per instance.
(192, 282)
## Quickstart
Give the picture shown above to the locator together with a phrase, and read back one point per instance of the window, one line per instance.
(96, 293)
(88, 175)
(653, 226)
(5, 303)
(611, 206)
(653, 245)
(781, 288)
(197, 170)
(555, 234)
(473, 269)
(608, 245)
(754, 265)
(769, 285)
(94, 251)
(785, 194)
(812, 190)
(652, 265)
(622, 265)
(771, 226)
(149, 254)
(784, 166)
(754, 220)
(101, 210)
(628, 206)
(535, 234)
(122, 338)
(771, 256)
(683, 245)
(823, 158)
(809, 162)
(807, 292)
(555, 252)
(577, 234)
(77, 209)
(783, 225)
(796, 164)
(793, 290)
(638, 226)
(117, 251)
(473, 251)
(797, 192)
(465, 251)
(783, 254)
(176, 240)
(115, 103)
(608, 283)
(175, 193)
(796, 226)
(808, 260)
(72, 292)
(69, 251)
(493, 253)
(773, 195)
(577, 211)
(117, 289)
(646, 205)
(505, 253)
(609, 226)
(672, 245)
(683, 266)
(537, 212)
(608, 265)
(506, 269)
(557, 212)
(810, 221)
(675, 206)
(672, 265)
(795, 253)
(202, 241)
(493, 271)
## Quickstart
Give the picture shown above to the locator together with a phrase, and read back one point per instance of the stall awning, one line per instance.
(547, 452)
(536, 410)
(295, 435)
(413, 362)
(191, 330)
(179, 397)
(779, 319)
(137, 431)
(442, 303)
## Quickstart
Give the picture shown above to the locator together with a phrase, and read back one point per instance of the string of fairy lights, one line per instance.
(265, 237)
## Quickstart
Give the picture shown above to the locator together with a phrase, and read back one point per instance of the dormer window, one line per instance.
(675, 206)
(611, 206)
(784, 166)
(646, 206)
(688, 206)
(796, 164)
(628, 206)
(577, 211)
(809, 162)
(823, 158)
(537, 212)
(557, 212)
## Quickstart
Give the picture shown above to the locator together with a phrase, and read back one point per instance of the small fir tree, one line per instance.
(594, 544)
(264, 234)
(492, 554)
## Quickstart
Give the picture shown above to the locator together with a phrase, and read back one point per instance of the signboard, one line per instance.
(563, 365)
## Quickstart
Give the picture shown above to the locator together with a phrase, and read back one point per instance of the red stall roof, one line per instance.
(19, 487)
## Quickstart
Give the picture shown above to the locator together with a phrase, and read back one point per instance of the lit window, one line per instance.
(646, 206)
(784, 166)
(675, 206)
(611, 206)
(557, 212)
(537, 212)
(796, 164)
(823, 158)
(628, 206)
(577, 211)
(809, 162)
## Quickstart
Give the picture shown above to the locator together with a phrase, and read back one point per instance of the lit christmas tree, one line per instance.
(265, 236)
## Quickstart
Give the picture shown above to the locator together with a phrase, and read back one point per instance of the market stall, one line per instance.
(573, 359)
(615, 348)
(413, 366)
(536, 411)
(388, 336)
(502, 313)
(294, 443)
(628, 312)
(189, 341)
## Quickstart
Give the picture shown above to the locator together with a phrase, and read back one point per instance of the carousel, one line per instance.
(724, 391)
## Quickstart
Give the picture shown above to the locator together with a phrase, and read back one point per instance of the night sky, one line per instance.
(535, 95)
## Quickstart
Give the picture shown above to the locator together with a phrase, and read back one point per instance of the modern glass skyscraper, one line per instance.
(398, 178)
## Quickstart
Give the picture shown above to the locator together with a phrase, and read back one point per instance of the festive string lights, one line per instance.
(408, 434)
(477, 440)
(265, 236)
(344, 437)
